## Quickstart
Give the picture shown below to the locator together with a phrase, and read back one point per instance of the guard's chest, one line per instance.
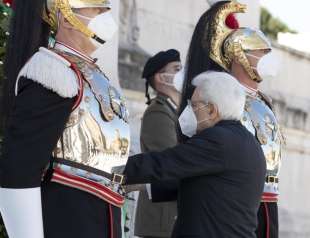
(260, 120)
(97, 134)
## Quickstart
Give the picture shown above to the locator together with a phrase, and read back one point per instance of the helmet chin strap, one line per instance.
(254, 69)
(257, 79)
(95, 37)
(98, 39)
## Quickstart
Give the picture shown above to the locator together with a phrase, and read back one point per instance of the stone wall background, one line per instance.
(291, 94)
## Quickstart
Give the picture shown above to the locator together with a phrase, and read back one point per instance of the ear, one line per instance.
(63, 22)
(158, 80)
(157, 77)
(213, 111)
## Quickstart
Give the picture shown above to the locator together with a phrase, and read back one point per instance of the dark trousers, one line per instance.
(71, 213)
(268, 224)
(153, 237)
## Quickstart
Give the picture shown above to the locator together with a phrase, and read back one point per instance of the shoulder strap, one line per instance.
(80, 79)
(55, 72)
(52, 71)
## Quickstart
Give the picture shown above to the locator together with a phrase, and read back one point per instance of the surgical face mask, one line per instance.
(173, 80)
(178, 80)
(103, 26)
(188, 121)
(267, 66)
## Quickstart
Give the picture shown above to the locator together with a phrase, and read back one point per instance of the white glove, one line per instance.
(21, 211)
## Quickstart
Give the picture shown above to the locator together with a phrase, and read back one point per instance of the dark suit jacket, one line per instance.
(222, 172)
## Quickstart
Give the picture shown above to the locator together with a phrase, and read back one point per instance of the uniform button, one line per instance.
(87, 99)
(247, 107)
(82, 112)
(73, 119)
(110, 115)
(265, 140)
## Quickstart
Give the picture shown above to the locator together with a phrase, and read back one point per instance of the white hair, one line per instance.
(224, 91)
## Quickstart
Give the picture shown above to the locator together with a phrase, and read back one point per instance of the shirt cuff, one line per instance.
(149, 190)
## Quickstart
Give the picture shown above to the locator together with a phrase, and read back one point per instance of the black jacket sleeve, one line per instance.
(200, 155)
(36, 123)
(166, 191)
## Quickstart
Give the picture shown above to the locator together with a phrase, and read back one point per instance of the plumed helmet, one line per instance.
(54, 7)
(232, 42)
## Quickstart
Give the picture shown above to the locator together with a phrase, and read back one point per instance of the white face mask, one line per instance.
(178, 80)
(103, 26)
(267, 66)
(173, 80)
(188, 121)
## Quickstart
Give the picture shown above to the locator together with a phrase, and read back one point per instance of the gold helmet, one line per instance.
(242, 41)
(232, 44)
(54, 7)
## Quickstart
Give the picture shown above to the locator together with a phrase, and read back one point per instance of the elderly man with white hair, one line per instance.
(221, 168)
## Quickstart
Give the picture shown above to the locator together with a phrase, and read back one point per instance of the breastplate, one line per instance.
(260, 120)
(96, 139)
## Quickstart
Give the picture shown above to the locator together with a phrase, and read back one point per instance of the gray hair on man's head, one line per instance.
(224, 91)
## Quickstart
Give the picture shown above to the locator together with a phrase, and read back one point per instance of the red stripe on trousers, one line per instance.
(267, 220)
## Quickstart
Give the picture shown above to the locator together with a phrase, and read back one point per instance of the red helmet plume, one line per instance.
(232, 22)
(8, 2)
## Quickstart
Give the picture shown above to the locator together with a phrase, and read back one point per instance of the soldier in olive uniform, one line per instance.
(158, 132)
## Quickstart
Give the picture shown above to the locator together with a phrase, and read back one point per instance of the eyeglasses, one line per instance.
(195, 105)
